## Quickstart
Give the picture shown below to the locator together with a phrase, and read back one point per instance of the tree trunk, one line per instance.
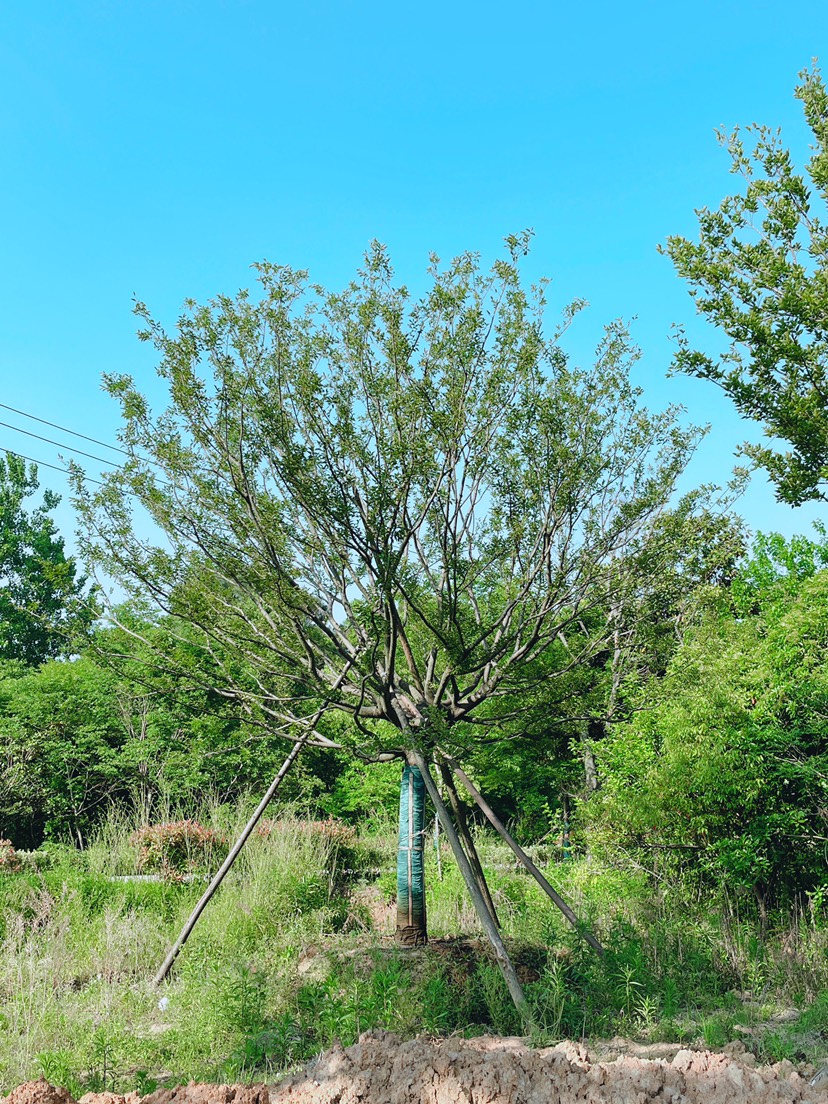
(412, 927)
(566, 842)
(504, 963)
(588, 756)
(468, 842)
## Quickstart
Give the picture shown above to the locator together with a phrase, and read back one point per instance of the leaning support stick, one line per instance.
(525, 860)
(231, 858)
(415, 758)
(468, 842)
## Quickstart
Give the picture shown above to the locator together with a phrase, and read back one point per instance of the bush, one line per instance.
(178, 848)
(332, 832)
(9, 860)
(334, 839)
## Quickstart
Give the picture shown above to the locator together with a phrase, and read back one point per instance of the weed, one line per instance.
(627, 989)
(548, 999)
(143, 1084)
(438, 1001)
(717, 1030)
(775, 1046)
(647, 1012)
(58, 1067)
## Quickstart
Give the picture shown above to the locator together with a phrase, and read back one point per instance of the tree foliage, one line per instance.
(62, 742)
(43, 603)
(759, 273)
(109, 729)
(723, 773)
(391, 509)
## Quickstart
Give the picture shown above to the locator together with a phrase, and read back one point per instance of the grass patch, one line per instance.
(287, 959)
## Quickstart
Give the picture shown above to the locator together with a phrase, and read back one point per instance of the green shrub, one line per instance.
(178, 848)
(9, 860)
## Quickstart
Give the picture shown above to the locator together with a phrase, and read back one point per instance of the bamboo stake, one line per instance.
(437, 854)
(525, 860)
(218, 878)
(468, 842)
(415, 758)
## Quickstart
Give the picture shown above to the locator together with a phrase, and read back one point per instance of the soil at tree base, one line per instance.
(382, 1069)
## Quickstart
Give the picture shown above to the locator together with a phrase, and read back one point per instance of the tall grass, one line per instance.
(296, 950)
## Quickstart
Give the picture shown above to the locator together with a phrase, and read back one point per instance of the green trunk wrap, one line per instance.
(411, 911)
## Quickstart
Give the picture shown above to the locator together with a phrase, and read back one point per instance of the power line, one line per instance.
(70, 448)
(63, 429)
(73, 433)
(54, 467)
(65, 471)
(60, 444)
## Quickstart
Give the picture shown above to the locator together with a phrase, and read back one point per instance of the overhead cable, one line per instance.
(63, 429)
(71, 448)
(74, 433)
(60, 444)
(45, 464)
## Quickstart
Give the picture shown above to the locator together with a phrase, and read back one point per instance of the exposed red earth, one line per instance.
(382, 1069)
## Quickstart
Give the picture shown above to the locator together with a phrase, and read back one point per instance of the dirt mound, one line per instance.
(39, 1092)
(193, 1093)
(109, 1098)
(209, 1094)
(381, 1069)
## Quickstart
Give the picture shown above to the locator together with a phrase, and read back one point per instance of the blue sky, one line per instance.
(158, 149)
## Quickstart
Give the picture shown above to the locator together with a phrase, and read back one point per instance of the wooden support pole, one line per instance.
(468, 842)
(415, 758)
(524, 859)
(231, 858)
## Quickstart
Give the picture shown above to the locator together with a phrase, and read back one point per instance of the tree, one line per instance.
(722, 777)
(62, 741)
(546, 758)
(182, 738)
(43, 602)
(759, 272)
(386, 509)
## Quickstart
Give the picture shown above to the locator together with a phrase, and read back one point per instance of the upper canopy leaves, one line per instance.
(387, 506)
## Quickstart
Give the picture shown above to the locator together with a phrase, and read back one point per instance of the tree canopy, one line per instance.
(43, 599)
(721, 773)
(759, 273)
(398, 510)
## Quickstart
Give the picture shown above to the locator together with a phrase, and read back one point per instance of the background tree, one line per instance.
(43, 603)
(388, 510)
(721, 777)
(62, 743)
(184, 738)
(758, 272)
(111, 728)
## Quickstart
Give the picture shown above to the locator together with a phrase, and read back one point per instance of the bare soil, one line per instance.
(382, 1069)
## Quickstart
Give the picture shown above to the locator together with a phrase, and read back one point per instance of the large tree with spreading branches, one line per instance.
(387, 519)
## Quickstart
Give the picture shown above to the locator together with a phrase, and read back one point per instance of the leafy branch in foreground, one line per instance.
(758, 272)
